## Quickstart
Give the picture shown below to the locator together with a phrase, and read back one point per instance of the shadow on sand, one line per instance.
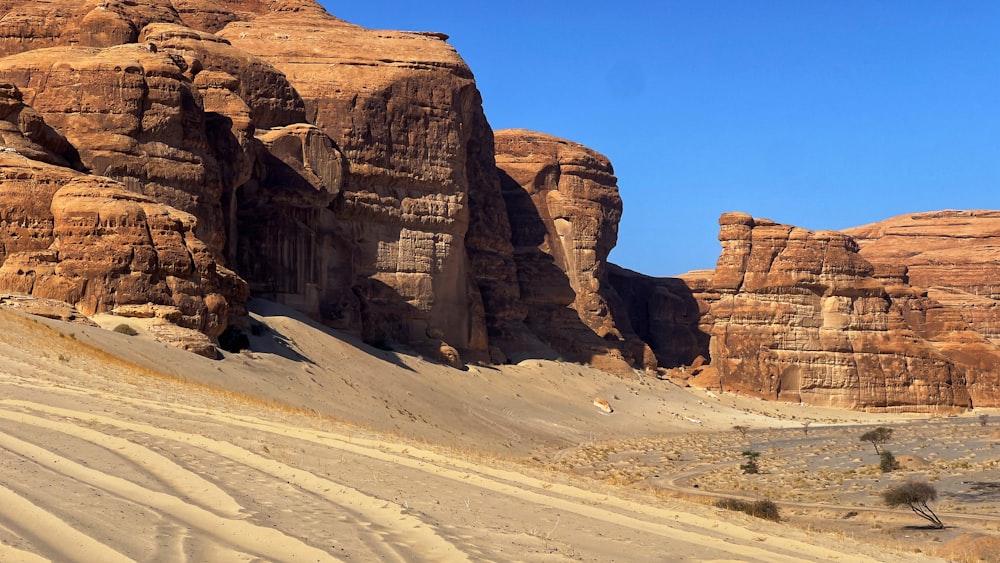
(267, 339)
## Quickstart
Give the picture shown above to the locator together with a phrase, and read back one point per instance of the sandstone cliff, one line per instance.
(665, 314)
(86, 240)
(417, 249)
(801, 315)
(563, 204)
(953, 256)
(345, 171)
(167, 158)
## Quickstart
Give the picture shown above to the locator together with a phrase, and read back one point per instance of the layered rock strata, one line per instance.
(99, 246)
(563, 203)
(246, 115)
(665, 314)
(800, 315)
(426, 256)
(953, 254)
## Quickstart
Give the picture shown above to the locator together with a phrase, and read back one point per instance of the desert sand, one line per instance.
(314, 447)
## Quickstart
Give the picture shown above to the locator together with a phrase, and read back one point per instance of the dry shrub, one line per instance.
(759, 508)
(125, 329)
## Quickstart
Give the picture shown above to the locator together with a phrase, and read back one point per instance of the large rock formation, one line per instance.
(99, 246)
(955, 255)
(665, 314)
(800, 315)
(563, 203)
(133, 115)
(149, 150)
(345, 171)
(416, 244)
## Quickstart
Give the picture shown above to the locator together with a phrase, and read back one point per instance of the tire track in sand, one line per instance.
(50, 531)
(186, 484)
(245, 536)
(596, 506)
(388, 520)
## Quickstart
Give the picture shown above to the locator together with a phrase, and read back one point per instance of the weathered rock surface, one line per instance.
(417, 243)
(134, 116)
(351, 173)
(563, 204)
(100, 246)
(800, 315)
(664, 313)
(48, 308)
(955, 255)
(408, 241)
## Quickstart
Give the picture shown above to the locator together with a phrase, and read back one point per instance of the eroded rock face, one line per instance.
(404, 110)
(664, 313)
(100, 246)
(134, 116)
(287, 243)
(39, 24)
(563, 204)
(953, 254)
(152, 97)
(800, 315)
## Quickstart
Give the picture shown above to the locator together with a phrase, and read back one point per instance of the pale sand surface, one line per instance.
(314, 448)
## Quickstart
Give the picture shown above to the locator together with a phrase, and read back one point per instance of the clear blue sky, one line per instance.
(822, 114)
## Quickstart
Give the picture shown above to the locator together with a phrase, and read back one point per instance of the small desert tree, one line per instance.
(916, 495)
(887, 461)
(983, 419)
(877, 437)
(751, 466)
(742, 429)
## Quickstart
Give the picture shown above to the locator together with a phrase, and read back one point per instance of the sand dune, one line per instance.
(113, 448)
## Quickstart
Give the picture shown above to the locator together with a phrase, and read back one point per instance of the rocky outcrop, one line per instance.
(563, 204)
(665, 314)
(250, 130)
(148, 147)
(99, 246)
(134, 116)
(416, 246)
(953, 254)
(48, 308)
(800, 315)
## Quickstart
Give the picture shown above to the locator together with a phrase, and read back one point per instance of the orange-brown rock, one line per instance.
(134, 116)
(418, 243)
(664, 313)
(48, 308)
(955, 255)
(411, 238)
(39, 24)
(99, 246)
(800, 315)
(563, 204)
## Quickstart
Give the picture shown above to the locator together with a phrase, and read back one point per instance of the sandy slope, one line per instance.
(115, 448)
